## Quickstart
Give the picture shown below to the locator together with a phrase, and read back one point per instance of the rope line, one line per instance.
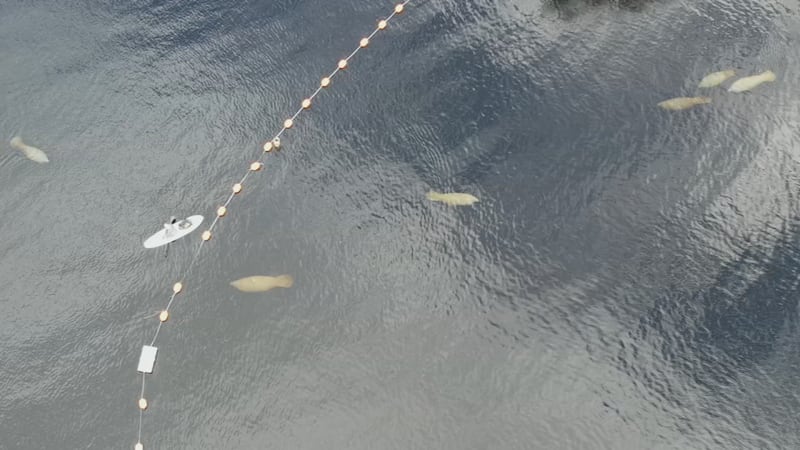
(272, 144)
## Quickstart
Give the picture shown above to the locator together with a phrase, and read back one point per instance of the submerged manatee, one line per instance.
(716, 78)
(452, 198)
(747, 83)
(679, 103)
(262, 283)
(33, 153)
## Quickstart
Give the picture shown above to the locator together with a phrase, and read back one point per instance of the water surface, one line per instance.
(628, 280)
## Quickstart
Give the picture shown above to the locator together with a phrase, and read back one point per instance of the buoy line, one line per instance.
(147, 356)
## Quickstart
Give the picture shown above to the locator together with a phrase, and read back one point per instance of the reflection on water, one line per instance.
(627, 280)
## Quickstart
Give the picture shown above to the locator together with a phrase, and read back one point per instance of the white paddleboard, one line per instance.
(180, 229)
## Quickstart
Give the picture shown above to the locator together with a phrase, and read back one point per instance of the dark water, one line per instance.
(629, 279)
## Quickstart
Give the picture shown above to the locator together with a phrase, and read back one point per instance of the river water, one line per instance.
(628, 280)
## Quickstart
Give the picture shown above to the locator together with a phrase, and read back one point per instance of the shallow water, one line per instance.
(628, 279)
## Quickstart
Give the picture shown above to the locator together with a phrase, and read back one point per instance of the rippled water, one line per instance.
(628, 280)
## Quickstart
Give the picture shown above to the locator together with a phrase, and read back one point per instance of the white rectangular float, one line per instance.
(147, 359)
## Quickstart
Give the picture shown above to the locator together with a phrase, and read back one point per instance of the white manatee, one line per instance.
(262, 283)
(715, 78)
(679, 103)
(452, 198)
(33, 153)
(747, 83)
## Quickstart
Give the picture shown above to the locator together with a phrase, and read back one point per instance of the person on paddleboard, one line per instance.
(170, 227)
(173, 230)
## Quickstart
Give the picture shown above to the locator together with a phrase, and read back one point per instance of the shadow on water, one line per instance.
(569, 9)
(718, 348)
(737, 322)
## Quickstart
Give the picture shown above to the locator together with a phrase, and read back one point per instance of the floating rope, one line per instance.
(148, 354)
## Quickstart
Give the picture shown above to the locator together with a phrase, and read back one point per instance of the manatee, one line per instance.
(262, 283)
(747, 83)
(33, 153)
(678, 103)
(452, 198)
(716, 78)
